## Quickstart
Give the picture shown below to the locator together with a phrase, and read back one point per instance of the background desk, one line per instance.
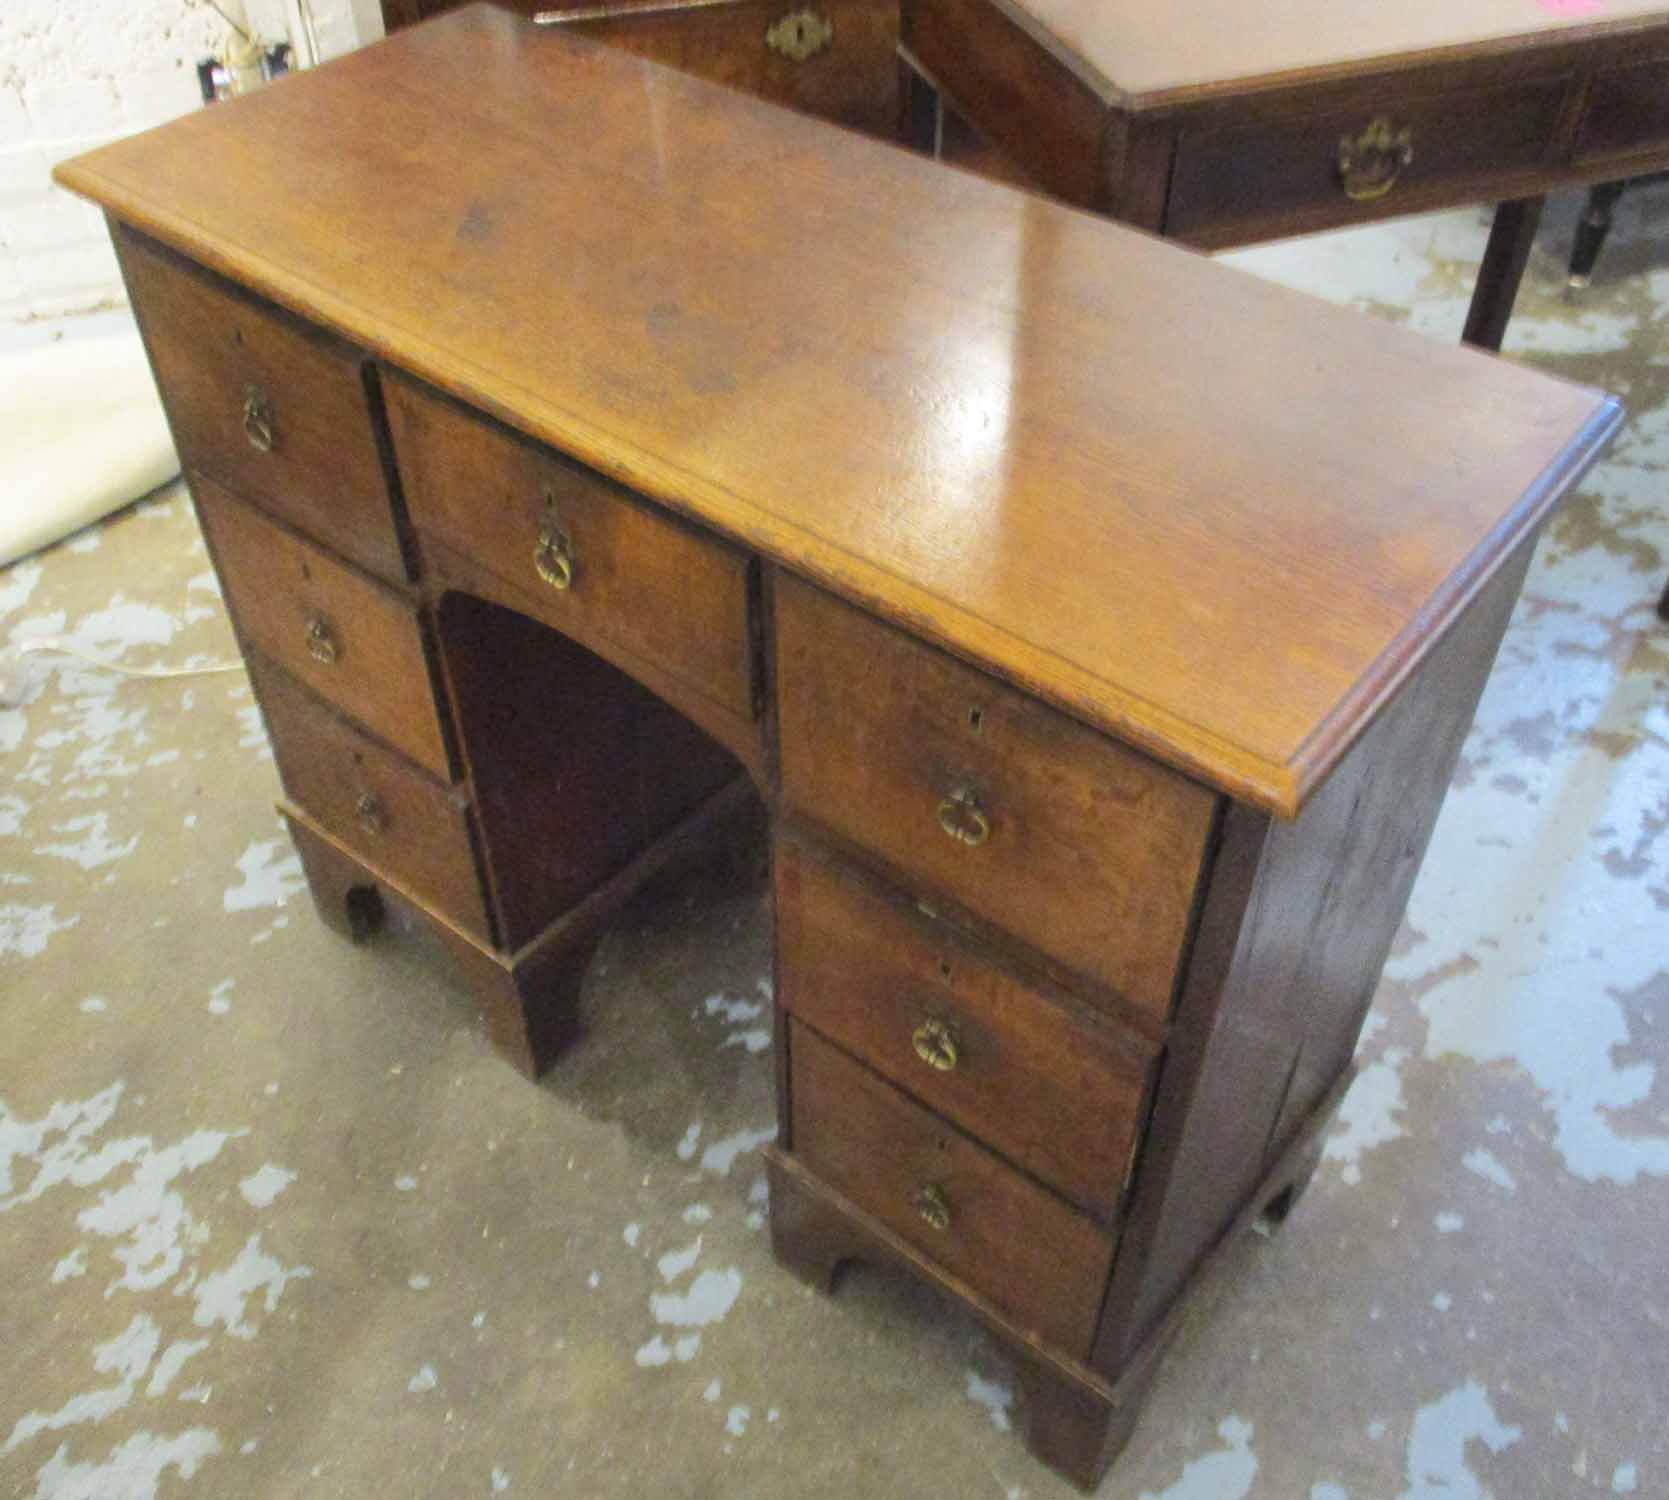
(587, 442)
(1221, 123)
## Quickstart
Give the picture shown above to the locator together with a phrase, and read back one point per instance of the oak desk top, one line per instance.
(1207, 514)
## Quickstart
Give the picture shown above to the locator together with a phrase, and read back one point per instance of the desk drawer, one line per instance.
(835, 59)
(261, 402)
(1037, 1259)
(1265, 172)
(347, 637)
(1059, 1095)
(401, 822)
(1085, 850)
(628, 580)
(1628, 110)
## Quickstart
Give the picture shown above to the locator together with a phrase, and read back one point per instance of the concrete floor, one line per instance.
(273, 1220)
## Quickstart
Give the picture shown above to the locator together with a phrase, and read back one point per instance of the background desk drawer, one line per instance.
(1266, 172)
(1042, 1263)
(616, 573)
(835, 59)
(1628, 110)
(1082, 848)
(399, 819)
(265, 404)
(1058, 1094)
(348, 638)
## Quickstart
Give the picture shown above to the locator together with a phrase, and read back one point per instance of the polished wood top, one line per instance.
(1200, 511)
(1143, 53)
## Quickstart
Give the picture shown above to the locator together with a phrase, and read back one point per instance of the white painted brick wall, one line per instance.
(77, 73)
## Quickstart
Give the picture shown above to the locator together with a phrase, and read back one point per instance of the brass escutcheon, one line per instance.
(321, 641)
(962, 818)
(1370, 163)
(936, 1044)
(257, 418)
(931, 1204)
(368, 808)
(800, 34)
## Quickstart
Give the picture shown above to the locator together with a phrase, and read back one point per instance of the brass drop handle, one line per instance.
(1370, 163)
(936, 1045)
(553, 555)
(321, 640)
(257, 418)
(962, 818)
(930, 1202)
(800, 35)
(372, 815)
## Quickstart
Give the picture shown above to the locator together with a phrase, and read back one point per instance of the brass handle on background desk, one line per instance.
(321, 641)
(800, 35)
(936, 1045)
(1370, 163)
(257, 418)
(368, 808)
(931, 1204)
(553, 556)
(962, 818)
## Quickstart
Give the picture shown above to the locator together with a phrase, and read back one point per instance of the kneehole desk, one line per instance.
(585, 450)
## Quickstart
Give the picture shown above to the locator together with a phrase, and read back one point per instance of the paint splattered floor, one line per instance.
(273, 1221)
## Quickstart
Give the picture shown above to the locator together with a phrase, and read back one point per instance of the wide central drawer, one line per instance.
(1080, 847)
(1043, 1264)
(626, 579)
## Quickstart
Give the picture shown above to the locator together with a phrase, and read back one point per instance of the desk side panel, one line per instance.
(1298, 923)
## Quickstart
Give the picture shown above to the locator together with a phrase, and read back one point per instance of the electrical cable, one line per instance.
(66, 647)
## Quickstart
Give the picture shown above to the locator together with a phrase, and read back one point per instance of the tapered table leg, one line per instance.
(1510, 238)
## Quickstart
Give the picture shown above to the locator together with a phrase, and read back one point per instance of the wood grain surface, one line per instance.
(1202, 512)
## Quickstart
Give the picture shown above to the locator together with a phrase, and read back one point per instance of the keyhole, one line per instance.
(944, 970)
(976, 718)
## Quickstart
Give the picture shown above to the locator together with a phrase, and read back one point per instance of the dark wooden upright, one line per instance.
(580, 444)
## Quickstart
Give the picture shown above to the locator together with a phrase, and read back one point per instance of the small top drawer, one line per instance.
(1080, 847)
(1339, 163)
(629, 581)
(1055, 1092)
(351, 640)
(261, 402)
